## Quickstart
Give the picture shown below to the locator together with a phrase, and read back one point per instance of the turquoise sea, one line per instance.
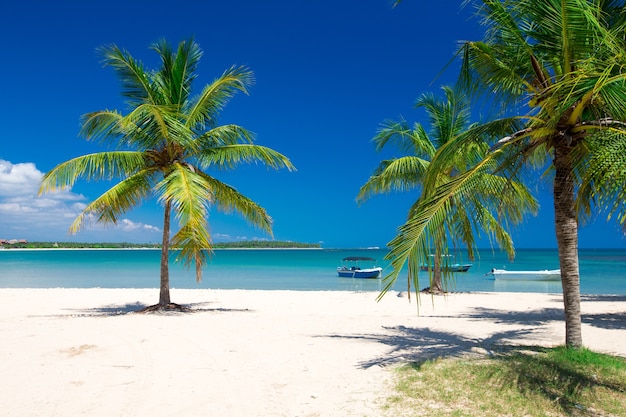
(602, 271)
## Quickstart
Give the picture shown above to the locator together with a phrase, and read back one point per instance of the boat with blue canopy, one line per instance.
(353, 267)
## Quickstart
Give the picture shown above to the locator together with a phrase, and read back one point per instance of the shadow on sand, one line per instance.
(420, 344)
(137, 307)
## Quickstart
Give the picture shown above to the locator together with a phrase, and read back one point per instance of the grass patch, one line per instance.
(518, 382)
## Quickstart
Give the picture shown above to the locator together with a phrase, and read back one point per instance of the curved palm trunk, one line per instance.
(164, 295)
(566, 224)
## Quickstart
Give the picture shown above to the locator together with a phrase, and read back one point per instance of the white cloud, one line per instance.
(253, 238)
(18, 179)
(24, 214)
(150, 228)
(130, 226)
(222, 237)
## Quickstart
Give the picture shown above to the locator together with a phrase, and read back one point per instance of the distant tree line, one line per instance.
(265, 244)
(253, 244)
(80, 245)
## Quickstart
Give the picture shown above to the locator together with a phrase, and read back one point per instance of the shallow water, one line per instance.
(602, 271)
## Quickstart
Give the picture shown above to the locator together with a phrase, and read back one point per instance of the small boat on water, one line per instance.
(449, 268)
(455, 267)
(541, 275)
(351, 267)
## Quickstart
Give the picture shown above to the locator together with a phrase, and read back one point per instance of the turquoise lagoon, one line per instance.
(602, 271)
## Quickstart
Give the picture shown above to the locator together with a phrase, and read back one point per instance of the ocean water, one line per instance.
(602, 271)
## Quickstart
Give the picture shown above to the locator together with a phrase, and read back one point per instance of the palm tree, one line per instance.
(561, 63)
(166, 143)
(565, 58)
(463, 213)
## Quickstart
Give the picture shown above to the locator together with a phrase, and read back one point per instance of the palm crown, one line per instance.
(487, 202)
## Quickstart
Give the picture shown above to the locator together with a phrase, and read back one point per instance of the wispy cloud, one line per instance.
(222, 237)
(24, 214)
(131, 226)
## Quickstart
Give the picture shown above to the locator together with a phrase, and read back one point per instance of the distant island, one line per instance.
(266, 244)
(251, 244)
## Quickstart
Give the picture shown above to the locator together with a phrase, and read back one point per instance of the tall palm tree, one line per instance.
(565, 58)
(561, 63)
(483, 207)
(167, 142)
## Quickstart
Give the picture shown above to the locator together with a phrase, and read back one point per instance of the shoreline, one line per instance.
(391, 293)
(328, 353)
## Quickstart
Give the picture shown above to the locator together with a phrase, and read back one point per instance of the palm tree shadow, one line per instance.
(539, 317)
(109, 310)
(611, 321)
(137, 308)
(418, 345)
(529, 318)
(602, 297)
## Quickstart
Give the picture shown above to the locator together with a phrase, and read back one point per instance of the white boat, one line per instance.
(540, 275)
(351, 268)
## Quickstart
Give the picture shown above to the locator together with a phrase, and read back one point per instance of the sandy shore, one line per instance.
(70, 352)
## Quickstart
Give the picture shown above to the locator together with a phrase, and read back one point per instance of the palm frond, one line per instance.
(468, 147)
(116, 200)
(104, 125)
(430, 213)
(97, 166)
(187, 191)
(194, 243)
(147, 126)
(448, 117)
(157, 126)
(229, 200)
(205, 108)
(190, 196)
(137, 84)
(483, 69)
(603, 176)
(224, 135)
(226, 157)
(408, 140)
(178, 70)
(400, 174)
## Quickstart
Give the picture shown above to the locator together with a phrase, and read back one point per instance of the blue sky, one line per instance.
(327, 74)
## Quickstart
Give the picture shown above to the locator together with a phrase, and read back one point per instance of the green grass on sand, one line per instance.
(521, 381)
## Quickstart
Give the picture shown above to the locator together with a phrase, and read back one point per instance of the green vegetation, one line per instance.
(81, 245)
(562, 63)
(488, 198)
(518, 382)
(168, 141)
(266, 244)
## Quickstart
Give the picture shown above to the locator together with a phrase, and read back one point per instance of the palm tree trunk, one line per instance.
(164, 295)
(436, 285)
(566, 224)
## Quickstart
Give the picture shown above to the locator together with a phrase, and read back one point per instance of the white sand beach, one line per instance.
(71, 352)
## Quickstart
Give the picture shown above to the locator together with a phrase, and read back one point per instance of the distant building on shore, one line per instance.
(5, 242)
